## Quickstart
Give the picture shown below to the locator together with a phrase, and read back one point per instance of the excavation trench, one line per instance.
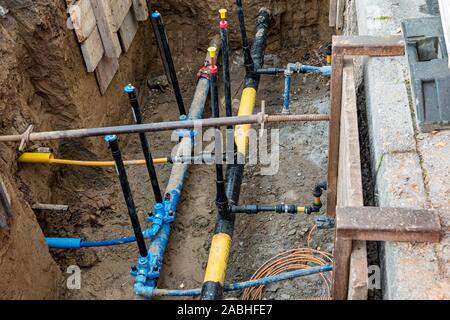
(96, 208)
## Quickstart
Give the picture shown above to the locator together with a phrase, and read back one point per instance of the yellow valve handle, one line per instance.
(223, 14)
(212, 52)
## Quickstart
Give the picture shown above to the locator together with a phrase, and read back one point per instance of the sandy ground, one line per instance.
(97, 203)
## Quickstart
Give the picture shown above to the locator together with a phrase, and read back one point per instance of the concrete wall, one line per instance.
(411, 169)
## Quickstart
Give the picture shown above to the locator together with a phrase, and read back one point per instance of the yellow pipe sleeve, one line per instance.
(246, 108)
(218, 258)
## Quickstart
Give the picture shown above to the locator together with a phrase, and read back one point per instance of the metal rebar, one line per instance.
(162, 126)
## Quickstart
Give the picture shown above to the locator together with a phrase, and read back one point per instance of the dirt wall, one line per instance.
(43, 82)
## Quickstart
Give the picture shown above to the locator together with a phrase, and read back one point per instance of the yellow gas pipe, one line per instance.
(49, 158)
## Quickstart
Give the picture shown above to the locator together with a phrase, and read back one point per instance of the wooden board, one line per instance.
(444, 6)
(140, 10)
(389, 224)
(340, 8)
(105, 72)
(5, 206)
(92, 50)
(332, 13)
(351, 280)
(83, 19)
(119, 10)
(385, 46)
(128, 30)
(334, 132)
(110, 38)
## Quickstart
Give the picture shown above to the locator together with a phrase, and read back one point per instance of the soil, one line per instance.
(97, 210)
(44, 83)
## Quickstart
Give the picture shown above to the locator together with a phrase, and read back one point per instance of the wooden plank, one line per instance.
(340, 14)
(388, 224)
(128, 30)
(350, 178)
(354, 284)
(341, 267)
(358, 280)
(83, 19)
(140, 10)
(334, 132)
(5, 206)
(92, 50)
(119, 10)
(353, 46)
(444, 6)
(332, 13)
(50, 207)
(369, 46)
(110, 38)
(105, 72)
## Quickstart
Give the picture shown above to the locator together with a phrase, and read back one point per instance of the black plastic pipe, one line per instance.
(144, 143)
(226, 68)
(213, 290)
(248, 61)
(158, 40)
(258, 48)
(270, 71)
(156, 16)
(256, 208)
(114, 146)
(221, 198)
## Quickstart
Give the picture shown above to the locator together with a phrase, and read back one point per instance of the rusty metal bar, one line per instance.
(161, 126)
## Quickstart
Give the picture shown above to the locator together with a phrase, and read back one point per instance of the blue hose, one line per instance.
(246, 284)
(76, 243)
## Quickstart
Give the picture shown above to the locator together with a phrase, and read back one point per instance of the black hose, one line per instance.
(145, 144)
(114, 146)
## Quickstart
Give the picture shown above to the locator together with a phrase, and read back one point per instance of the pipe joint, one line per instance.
(320, 188)
(146, 271)
(223, 25)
